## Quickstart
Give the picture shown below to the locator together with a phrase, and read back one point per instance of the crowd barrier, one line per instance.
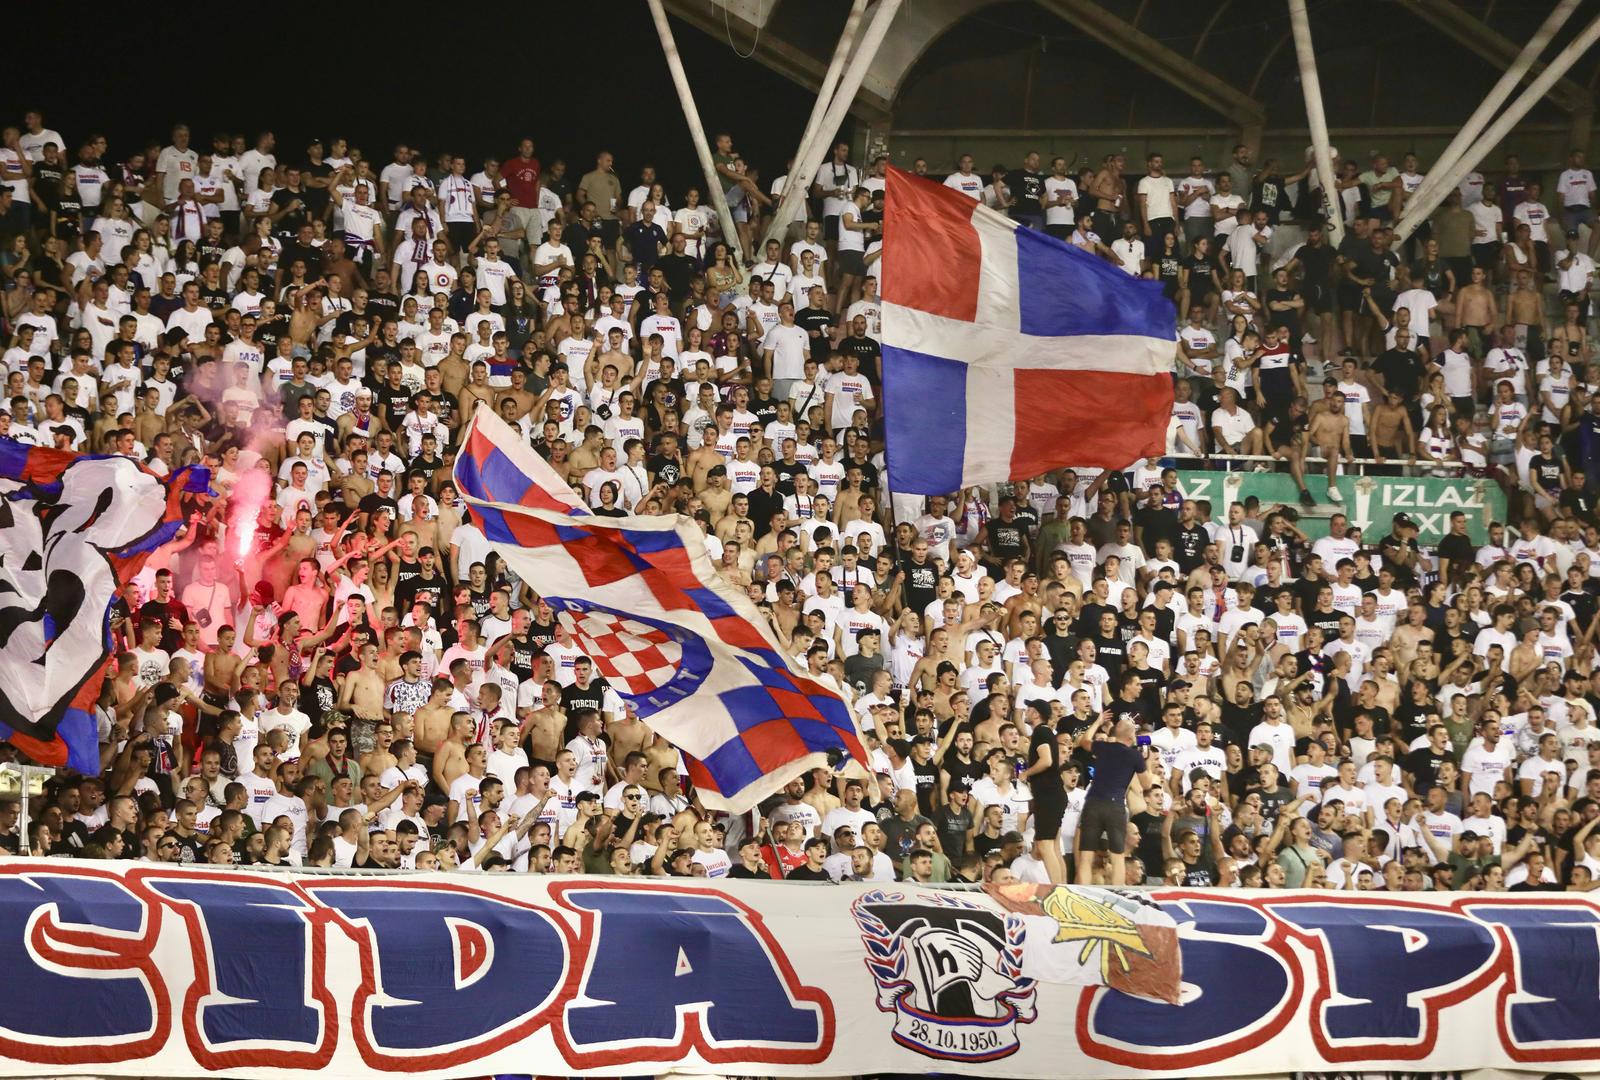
(143, 970)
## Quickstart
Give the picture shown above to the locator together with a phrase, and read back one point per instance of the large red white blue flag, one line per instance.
(74, 529)
(642, 600)
(1007, 352)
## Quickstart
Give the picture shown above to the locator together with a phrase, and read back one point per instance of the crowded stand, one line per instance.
(1089, 676)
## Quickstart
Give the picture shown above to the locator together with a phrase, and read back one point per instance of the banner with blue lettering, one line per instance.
(140, 970)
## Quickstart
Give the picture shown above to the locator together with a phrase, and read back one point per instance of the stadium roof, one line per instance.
(1161, 63)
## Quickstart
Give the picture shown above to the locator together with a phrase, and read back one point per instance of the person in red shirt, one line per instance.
(522, 176)
(788, 850)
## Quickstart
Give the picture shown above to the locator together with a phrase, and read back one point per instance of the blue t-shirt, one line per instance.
(1115, 766)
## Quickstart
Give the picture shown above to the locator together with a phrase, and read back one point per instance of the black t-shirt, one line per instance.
(1545, 472)
(816, 322)
(393, 402)
(1316, 264)
(1288, 316)
(1007, 540)
(1167, 272)
(1156, 523)
(677, 269)
(1115, 766)
(1042, 745)
(1110, 653)
(963, 774)
(927, 784)
(1190, 547)
(591, 697)
(666, 470)
(1401, 370)
(372, 502)
(543, 635)
(1460, 550)
(805, 873)
(1268, 195)
(952, 828)
(920, 582)
(1423, 764)
(1200, 271)
(289, 224)
(1026, 187)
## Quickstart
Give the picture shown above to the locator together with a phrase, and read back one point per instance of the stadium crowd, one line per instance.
(1087, 676)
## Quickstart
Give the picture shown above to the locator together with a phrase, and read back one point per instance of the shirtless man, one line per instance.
(1328, 434)
(715, 496)
(519, 393)
(627, 734)
(542, 728)
(1392, 436)
(451, 759)
(361, 695)
(1476, 312)
(616, 355)
(819, 798)
(222, 670)
(1409, 634)
(663, 759)
(375, 761)
(477, 391)
(703, 458)
(586, 455)
(1525, 310)
(1110, 192)
(433, 721)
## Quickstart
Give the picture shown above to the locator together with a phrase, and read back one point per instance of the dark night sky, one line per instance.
(575, 84)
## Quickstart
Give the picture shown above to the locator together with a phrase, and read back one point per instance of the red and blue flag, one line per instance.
(642, 600)
(1007, 352)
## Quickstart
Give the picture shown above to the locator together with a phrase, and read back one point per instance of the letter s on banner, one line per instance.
(1240, 988)
(1385, 969)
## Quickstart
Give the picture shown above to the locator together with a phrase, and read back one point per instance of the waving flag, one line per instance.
(640, 597)
(74, 528)
(1008, 353)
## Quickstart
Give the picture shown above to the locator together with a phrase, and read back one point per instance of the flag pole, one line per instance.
(800, 177)
(825, 95)
(1316, 119)
(680, 81)
(1420, 207)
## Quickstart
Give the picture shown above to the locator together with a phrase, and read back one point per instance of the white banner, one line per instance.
(139, 970)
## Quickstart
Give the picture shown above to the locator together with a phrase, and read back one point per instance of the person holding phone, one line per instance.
(1103, 825)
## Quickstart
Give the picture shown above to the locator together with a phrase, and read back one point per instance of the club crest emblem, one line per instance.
(950, 972)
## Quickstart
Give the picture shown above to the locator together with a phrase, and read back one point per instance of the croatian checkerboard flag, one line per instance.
(1008, 353)
(642, 600)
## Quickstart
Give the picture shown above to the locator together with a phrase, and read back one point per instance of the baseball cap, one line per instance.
(1262, 746)
(1177, 684)
(1404, 521)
